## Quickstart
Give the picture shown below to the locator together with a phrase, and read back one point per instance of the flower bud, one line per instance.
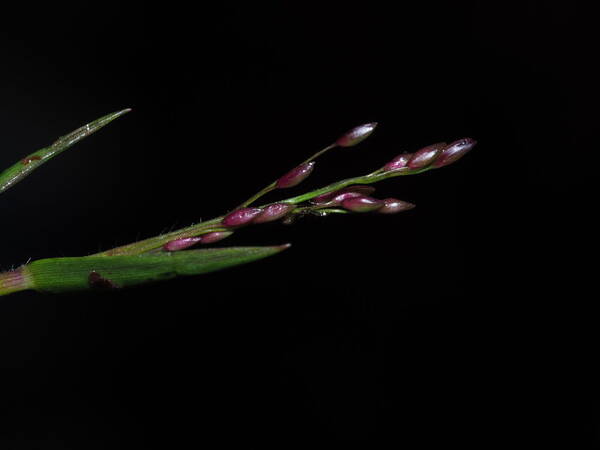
(296, 175)
(273, 212)
(240, 217)
(454, 151)
(338, 199)
(398, 162)
(323, 198)
(426, 156)
(358, 188)
(180, 244)
(356, 135)
(362, 204)
(214, 236)
(393, 206)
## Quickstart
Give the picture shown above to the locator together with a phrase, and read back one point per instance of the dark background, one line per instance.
(465, 321)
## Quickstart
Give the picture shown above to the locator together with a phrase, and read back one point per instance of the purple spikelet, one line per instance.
(399, 162)
(240, 217)
(454, 151)
(362, 204)
(215, 236)
(274, 212)
(296, 176)
(356, 135)
(426, 156)
(393, 206)
(358, 189)
(180, 244)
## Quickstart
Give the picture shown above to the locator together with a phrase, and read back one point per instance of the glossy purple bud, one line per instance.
(273, 212)
(240, 217)
(358, 188)
(215, 236)
(356, 135)
(323, 198)
(454, 151)
(296, 175)
(393, 206)
(180, 244)
(362, 204)
(338, 199)
(398, 162)
(426, 156)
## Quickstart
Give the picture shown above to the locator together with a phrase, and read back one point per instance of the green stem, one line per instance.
(258, 195)
(15, 280)
(319, 153)
(371, 178)
(155, 242)
(273, 185)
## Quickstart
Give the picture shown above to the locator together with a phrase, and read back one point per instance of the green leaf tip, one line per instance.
(114, 272)
(25, 166)
(80, 133)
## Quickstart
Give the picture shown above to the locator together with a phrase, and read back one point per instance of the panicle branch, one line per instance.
(351, 195)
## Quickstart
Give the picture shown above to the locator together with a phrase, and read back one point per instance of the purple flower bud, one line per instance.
(356, 135)
(180, 244)
(398, 162)
(362, 204)
(322, 198)
(358, 188)
(426, 156)
(273, 212)
(240, 217)
(215, 236)
(296, 175)
(393, 206)
(454, 151)
(338, 199)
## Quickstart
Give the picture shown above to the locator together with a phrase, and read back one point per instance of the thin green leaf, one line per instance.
(113, 272)
(24, 167)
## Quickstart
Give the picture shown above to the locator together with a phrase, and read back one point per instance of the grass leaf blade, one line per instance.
(113, 272)
(25, 166)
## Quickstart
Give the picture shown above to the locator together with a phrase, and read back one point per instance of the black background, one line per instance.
(463, 321)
